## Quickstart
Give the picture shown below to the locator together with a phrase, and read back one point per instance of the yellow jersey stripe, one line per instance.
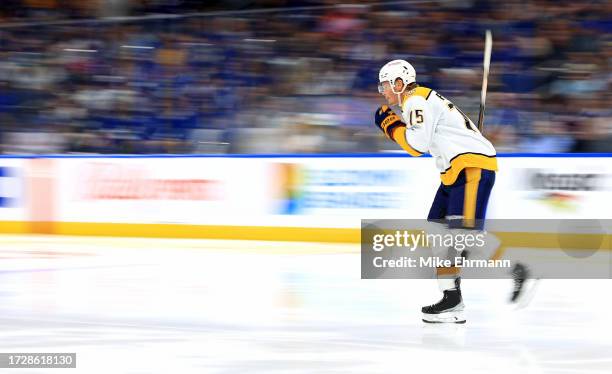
(419, 91)
(467, 160)
(423, 92)
(399, 136)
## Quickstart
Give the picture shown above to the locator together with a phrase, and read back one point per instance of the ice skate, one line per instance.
(447, 310)
(524, 286)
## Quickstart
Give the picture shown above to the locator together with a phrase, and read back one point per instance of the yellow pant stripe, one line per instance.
(472, 179)
(453, 270)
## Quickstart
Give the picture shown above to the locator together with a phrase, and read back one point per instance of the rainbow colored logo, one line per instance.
(290, 182)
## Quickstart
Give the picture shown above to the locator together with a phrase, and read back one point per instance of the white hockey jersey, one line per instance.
(436, 126)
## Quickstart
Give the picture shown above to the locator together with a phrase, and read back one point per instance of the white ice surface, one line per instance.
(193, 306)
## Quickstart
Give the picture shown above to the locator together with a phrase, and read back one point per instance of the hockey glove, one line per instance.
(387, 121)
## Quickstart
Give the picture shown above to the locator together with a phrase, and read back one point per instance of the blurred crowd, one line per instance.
(74, 78)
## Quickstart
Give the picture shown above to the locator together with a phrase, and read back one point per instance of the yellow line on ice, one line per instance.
(283, 234)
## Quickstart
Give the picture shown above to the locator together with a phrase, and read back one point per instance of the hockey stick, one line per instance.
(485, 77)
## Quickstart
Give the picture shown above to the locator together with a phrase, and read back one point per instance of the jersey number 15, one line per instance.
(416, 117)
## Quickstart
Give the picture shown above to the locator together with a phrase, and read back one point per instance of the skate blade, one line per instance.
(448, 317)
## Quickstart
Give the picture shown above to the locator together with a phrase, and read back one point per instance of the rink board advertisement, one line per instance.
(164, 190)
(13, 192)
(552, 188)
(326, 192)
(144, 196)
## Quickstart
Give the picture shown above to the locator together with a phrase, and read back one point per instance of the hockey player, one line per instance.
(467, 163)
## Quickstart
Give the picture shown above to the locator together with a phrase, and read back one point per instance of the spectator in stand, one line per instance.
(195, 84)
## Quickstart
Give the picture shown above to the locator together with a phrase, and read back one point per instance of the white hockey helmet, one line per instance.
(392, 71)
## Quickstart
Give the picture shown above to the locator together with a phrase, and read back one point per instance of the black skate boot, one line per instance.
(524, 285)
(447, 310)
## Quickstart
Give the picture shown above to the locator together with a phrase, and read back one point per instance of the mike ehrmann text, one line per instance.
(437, 262)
